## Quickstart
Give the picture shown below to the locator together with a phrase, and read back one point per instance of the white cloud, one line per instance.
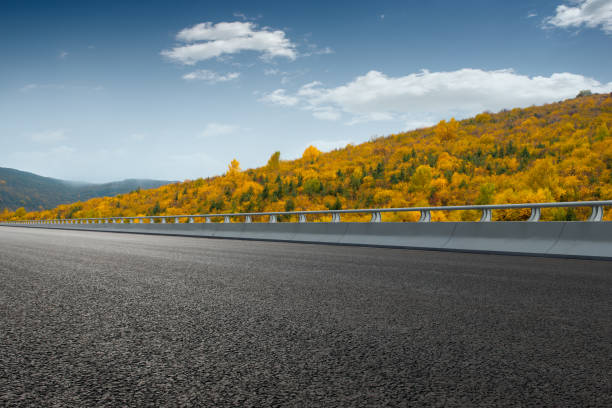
(271, 71)
(419, 124)
(279, 97)
(589, 13)
(49, 136)
(326, 114)
(532, 14)
(241, 16)
(219, 129)
(315, 50)
(207, 40)
(210, 76)
(434, 95)
(29, 87)
(244, 17)
(34, 86)
(370, 117)
(63, 54)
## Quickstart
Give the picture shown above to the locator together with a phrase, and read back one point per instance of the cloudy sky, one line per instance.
(98, 91)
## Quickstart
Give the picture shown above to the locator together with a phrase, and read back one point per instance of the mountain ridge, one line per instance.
(34, 192)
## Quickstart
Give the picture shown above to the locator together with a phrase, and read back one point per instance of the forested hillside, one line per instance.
(556, 152)
(34, 192)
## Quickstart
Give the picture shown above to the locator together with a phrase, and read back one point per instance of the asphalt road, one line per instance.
(103, 319)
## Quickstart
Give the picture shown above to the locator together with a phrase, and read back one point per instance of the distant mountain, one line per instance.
(34, 192)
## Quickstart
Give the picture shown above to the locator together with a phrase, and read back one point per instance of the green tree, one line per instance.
(312, 186)
(485, 196)
(274, 161)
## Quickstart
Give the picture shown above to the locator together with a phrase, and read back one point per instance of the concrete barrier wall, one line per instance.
(565, 239)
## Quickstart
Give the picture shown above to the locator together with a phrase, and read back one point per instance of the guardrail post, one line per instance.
(163, 220)
(176, 220)
(535, 214)
(207, 220)
(247, 219)
(302, 218)
(486, 215)
(226, 220)
(191, 220)
(596, 213)
(425, 216)
(272, 219)
(335, 217)
(376, 217)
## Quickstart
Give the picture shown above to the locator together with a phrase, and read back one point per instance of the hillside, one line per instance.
(34, 192)
(556, 152)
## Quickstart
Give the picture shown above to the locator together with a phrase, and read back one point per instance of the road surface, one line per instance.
(107, 319)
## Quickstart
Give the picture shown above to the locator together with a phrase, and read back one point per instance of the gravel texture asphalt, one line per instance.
(104, 319)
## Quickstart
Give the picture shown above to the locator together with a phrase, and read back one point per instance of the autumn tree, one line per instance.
(274, 162)
(311, 154)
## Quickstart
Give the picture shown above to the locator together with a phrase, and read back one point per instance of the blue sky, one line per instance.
(104, 90)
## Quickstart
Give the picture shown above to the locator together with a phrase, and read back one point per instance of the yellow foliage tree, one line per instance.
(555, 152)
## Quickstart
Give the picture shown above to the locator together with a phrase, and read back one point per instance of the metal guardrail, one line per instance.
(597, 210)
